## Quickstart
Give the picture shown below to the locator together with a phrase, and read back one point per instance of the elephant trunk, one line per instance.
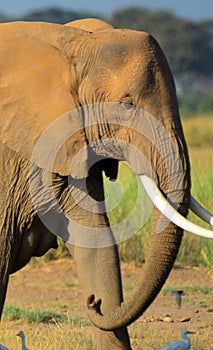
(163, 248)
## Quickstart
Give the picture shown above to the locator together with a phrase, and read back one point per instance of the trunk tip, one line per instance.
(93, 304)
(90, 300)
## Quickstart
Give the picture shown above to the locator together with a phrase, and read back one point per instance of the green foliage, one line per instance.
(3, 18)
(14, 313)
(195, 103)
(54, 15)
(126, 217)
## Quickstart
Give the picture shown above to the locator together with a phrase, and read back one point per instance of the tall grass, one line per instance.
(199, 135)
(131, 217)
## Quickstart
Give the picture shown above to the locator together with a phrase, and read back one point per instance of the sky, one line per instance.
(192, 9)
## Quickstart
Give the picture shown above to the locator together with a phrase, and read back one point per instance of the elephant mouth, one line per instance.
(172, 214)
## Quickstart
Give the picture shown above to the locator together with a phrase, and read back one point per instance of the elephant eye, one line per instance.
(127, 101)
(128, 105)
(126, 110)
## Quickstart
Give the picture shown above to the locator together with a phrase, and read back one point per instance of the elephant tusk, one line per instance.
(201, 211)
(169, 211)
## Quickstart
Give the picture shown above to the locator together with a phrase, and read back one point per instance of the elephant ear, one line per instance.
(38, 114)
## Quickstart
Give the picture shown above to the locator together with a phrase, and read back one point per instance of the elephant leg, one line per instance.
(7, 249)
(99, 274)
(3, 291)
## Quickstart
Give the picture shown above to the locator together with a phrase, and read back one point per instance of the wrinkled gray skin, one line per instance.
(110, 66)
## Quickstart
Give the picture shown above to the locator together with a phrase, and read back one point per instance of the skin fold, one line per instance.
(48, 70)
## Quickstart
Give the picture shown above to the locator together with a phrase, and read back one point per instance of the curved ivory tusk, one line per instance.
(166, 209)
(200, 211)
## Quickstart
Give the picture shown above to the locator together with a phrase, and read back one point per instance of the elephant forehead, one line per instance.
(117, 77)
(120, 43)
(122, 62)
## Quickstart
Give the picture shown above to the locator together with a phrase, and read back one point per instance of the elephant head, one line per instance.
(141, 80)
(116, 95)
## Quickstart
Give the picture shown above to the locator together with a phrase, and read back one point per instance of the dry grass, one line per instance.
(39, 287)
(49, 337)
(198, 130)
(60, 336)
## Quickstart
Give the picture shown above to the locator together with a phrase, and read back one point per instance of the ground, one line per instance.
(54, 285)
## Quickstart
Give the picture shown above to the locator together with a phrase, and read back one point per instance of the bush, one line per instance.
(195, 104)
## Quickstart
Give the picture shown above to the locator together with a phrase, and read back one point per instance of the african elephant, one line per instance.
(73, 104)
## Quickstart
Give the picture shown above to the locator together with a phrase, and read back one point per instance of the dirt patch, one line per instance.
(55, 285)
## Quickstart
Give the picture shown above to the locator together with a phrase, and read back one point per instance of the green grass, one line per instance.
(190, 289)
(14, 313)
(134, 212)
(198, 131)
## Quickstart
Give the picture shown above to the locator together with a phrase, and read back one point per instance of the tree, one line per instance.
(52, 14)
